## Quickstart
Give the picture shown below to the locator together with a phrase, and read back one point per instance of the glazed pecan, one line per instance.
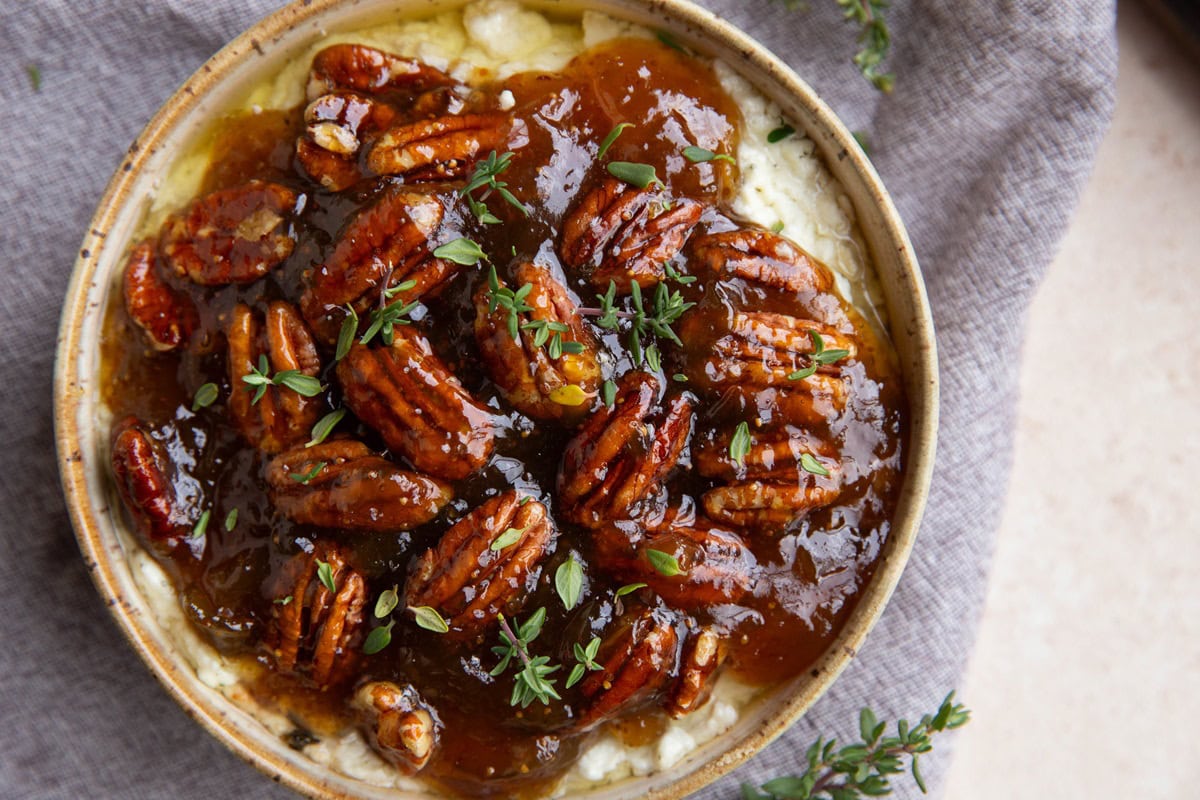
(388, 243)
(232, 235)
(637, 659)
(715, 566)
(439, 149)
(141, 469)
(755, 355)
(281, 417)
(526, 369)
(703, 652)
(622, 453)
(484, 564)
(343, 484)
(770, 487)
(166, 316)
(762, 257)
(398, 723)
(621, 233)
(364, 69)
(336, 127)
(315, 633)
(419, 408)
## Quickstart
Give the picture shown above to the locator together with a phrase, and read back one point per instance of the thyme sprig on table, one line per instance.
(864, 768)
(874, 38)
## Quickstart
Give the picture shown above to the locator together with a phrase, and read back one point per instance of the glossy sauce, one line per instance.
(811, 574)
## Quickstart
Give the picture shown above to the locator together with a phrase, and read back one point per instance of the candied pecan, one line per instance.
(703, 652)
(762, 257)
(398, 723)
(281, 417)
(381, 247)
(232, 235)
(419, 408)
(531, 378)
(438, 149)
(365, 69)
(770, 487)
(166, 316)
(141, 469)
(336, 126)
(754, 356)
(467, 579)
(637, 660)
(715, 565)
(621, 233)
(315, 632)
(352, 488)
(621, 453)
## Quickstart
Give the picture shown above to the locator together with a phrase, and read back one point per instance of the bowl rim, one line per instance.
(679, 17)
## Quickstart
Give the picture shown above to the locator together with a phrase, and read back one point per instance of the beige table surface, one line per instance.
(1086, 679)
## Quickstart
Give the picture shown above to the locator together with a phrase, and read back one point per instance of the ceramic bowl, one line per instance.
(83, 445)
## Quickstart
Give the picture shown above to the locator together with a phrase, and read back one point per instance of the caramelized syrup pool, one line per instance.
(812, 572)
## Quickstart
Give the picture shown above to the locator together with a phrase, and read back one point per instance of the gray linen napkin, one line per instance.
(984, 144)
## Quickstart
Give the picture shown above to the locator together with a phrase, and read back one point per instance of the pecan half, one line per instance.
(762, 257)
(282, 417)
(231, 235)
(166, 316)
(381, 247)
(468, 577)
(754, 356)
(315, 634)
(621, 233)
(770, 488)
(141, 470)
(637, 659)
(398, 723)
(715, 565)
(365, 69)
(622, 453)
(354, 488)
(336, 127)
(530, 376)
(438, 149)
(703, 652)
(419, 408)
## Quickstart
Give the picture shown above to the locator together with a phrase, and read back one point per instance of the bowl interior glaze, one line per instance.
(227, 77)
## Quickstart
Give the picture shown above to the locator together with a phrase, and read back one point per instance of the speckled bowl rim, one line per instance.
(82, 462)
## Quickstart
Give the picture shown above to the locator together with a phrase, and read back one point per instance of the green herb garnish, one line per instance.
(568, 581)
(484, 177)
(500, 296)
(379, 638)
(664, 563)
(820, 357)
(205, 396)
(35, 77)
(201, 526)
(305, 477)
(346, 334)
(637, 175)
(259, 378)
(507, 539)
(461, 251)
(739, 444)
(325, 575)
(811, 465)
(387, 602)
(698, 155)
(629, 588)
(780, 133)
(231, 519)
(608, 393)
(428, 618)
(549, 332)
(586, 658)
(666, 308)
(532, 681)
(612, 137)
(383, 321)
(325, 426)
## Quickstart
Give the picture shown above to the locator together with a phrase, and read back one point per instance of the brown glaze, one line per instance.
(773, 594)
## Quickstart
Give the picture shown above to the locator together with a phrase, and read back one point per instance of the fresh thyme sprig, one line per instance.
(666, 307)
(484, 177)
(259, 378)
(586, 658)
(513, 302)
(874, 38)
(820, 357)
(532, 681)
(862, 769)
(549, 332)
